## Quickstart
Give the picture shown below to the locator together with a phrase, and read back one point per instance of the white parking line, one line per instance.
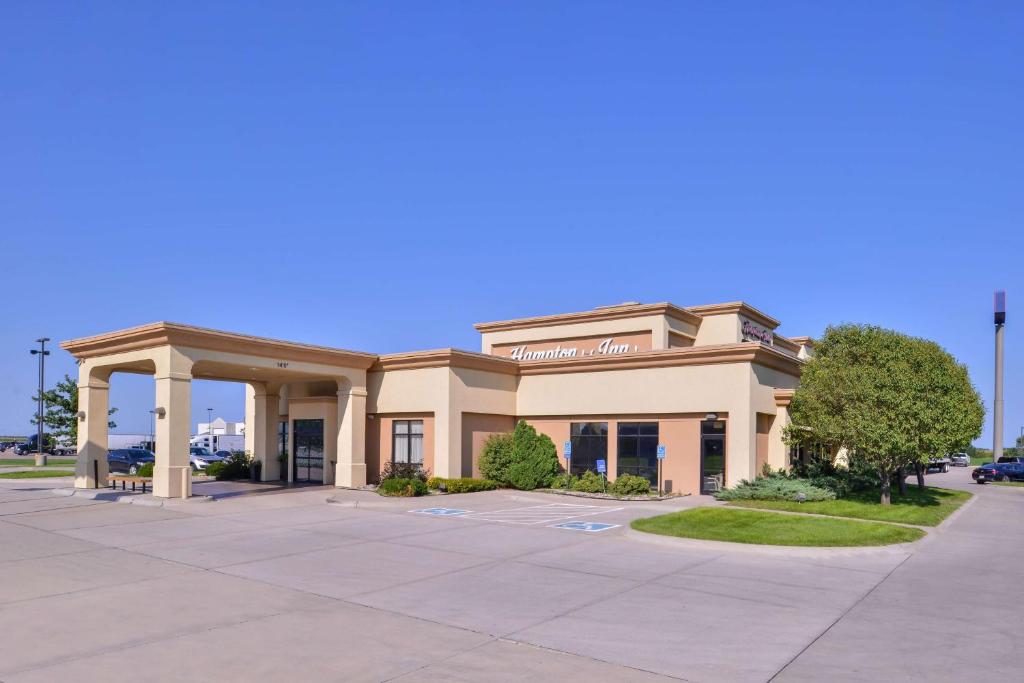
(539, 514)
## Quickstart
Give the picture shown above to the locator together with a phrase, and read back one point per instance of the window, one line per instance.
(407, 441)
(589, 444)
(638, 450)
(712, 456)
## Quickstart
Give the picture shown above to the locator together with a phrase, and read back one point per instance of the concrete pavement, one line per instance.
(283, 585)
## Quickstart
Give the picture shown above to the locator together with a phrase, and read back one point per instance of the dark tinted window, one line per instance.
(638, 450)
(589, 444)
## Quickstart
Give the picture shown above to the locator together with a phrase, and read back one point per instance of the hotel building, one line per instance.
(710, 383)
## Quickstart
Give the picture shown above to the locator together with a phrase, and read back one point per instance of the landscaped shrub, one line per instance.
(214, 469)
(405, 488)
(462, 485)
(235, 466)
(823, 473)
(404, 470)
(630, 485)
(145, 470)
(497, 457)
(524, 459)
(589, 482)
(775, 488)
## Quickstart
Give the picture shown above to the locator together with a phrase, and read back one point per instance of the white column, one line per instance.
(264, 430)
(93, 401)
(172, 475)
(351, 467)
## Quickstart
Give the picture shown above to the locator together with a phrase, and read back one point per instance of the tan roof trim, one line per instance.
(608, 313)
(787, 343)
(176, 334)
(803, 341)
(439, 358)
(743, 352)
(783, 397)
(740, 307)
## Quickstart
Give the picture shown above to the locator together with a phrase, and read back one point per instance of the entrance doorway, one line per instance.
(712, 456)
(309, 451)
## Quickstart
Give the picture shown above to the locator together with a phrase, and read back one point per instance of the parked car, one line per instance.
(998, 471)
(1010, 458)
(223, 455)
(200, 457)
(960, 460)
(29, 446)
(128, 460)
(939, 463)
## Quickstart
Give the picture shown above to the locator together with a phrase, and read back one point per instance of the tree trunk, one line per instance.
(901, 475)
(920, 475)
(886, 489)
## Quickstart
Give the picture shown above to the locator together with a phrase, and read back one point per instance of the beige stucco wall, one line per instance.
(379, 432)
(654, 323)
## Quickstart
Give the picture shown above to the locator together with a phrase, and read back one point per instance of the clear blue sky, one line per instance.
(379, 176)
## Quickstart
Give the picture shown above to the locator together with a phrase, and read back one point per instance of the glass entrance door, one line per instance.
(712, 456)
(309, 450)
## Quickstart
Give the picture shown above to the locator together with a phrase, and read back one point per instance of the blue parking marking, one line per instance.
(584, 526)
(441, 512)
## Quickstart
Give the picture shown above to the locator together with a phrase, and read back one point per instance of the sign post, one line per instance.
(602, 469)
(661, 456)
(567, 450)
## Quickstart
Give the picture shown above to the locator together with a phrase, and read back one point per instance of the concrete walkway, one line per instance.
(286, 587)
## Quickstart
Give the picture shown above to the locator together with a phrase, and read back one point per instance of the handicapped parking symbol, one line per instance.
(584, 526)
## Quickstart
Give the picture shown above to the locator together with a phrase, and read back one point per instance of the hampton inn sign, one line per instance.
(710, 383)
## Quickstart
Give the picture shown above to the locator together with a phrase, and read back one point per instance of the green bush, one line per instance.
(775, 488)
(524, 459)
(462, 485)
(497, 456)
(823, 473)
(235, 466)
(405, 488)
(404, 470)
(145, 470)
(630, 485)
(214, 469)
(589, 482)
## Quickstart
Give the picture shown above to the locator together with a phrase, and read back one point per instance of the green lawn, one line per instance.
(770, 528)
(36, 474)
(30, 462)
(927, 507)
(1008, 483)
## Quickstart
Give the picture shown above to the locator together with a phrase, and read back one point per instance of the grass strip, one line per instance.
(37, 474)
(922, 507)
(770, 528)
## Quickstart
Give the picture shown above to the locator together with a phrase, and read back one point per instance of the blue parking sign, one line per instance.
(602, 467)
(567, 449)
(661, 452)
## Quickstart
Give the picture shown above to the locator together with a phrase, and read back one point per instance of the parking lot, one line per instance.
(486, 586)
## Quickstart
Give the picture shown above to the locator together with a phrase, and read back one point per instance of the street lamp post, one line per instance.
(209, 428)
(997, 412)
(42, 353)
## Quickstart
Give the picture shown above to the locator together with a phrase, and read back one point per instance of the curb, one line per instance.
(126, 498)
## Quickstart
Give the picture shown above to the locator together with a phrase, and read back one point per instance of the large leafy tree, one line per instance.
(889, 399)
(61, 414)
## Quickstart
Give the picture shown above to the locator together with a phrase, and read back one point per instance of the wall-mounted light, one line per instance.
(711, 417)
(160, 413)
(81, 415)
(370, 416)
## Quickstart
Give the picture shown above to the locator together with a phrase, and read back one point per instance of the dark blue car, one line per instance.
(1002, 471)
(128, 460)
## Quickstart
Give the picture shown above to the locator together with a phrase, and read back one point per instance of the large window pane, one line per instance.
(589, 444)
(407, 441)
(638, 450)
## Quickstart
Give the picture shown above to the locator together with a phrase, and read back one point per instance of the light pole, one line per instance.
(152, 430)
(997, 412)
(42, 353)
(209, 428)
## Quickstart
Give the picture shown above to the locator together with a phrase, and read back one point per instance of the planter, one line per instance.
(254, 471)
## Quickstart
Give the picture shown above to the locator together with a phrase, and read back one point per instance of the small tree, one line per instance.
(872, 392)
(522, 459)
(61, 412)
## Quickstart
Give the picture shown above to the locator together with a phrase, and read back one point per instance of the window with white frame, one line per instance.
(407, 441)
